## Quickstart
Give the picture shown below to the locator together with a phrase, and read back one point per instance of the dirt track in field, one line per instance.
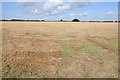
(60, 49)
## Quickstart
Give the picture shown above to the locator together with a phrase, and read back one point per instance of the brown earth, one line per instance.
(59, 49)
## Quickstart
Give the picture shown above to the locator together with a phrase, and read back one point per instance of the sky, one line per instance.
(84, 11)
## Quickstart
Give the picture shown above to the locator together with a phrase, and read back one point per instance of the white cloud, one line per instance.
(85, 14)
(64, 0)
(72, 14)
(110, 13)
(51, 4)
(36, 11)
(57, 1)
(64, 7)
(78, 0)
(26, 0)
(78, 15)
(51, 7)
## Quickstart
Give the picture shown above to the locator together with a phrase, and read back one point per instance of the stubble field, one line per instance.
(59, 49)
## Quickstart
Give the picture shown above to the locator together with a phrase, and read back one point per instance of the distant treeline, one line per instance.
(74, 20)
(103, 21)
(20, 20)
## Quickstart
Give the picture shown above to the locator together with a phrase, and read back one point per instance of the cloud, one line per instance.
(26, 0)
(64, 0)
(78, 15)
(51, 7)
(110, 13)
(85, 14)
(64, 7)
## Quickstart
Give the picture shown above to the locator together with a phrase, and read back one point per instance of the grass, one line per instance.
(67, 51)
(90, 48)
(45, 76)
(111, 45)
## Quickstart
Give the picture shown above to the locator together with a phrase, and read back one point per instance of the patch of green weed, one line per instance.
(91, 48)
(67, 51)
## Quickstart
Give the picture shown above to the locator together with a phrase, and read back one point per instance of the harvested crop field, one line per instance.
(59, 50)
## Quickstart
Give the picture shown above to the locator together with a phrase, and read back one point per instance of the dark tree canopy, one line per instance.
(75, 20)
(61, 20)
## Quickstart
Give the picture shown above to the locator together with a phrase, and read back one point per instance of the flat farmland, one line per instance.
(59, 50)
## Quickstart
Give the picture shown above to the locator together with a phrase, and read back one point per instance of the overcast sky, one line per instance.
(84, 11)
